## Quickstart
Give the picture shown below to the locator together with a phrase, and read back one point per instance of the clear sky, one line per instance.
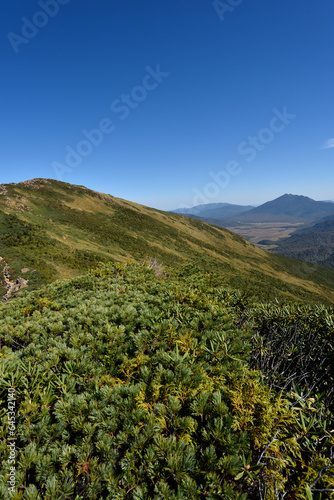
(170, 103)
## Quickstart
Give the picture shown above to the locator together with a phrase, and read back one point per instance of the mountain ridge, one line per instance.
(213, 210)
(285, 208)
(288, 208)
(313, 244)
(61, 230)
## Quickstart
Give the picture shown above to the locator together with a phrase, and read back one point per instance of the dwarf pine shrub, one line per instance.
(131, 386)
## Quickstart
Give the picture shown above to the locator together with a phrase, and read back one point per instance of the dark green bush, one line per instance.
(133, 386)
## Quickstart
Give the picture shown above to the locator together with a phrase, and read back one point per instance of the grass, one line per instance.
(60, 230)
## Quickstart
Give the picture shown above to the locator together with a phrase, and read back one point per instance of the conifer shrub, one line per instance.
(293, 348)
(135, 386)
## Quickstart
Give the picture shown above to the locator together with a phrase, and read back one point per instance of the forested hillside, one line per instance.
(314, 244)
(139, 382)
(54, 230)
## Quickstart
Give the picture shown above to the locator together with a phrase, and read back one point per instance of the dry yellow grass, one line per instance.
(173, 237)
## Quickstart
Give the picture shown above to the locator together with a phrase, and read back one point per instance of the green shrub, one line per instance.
(133, 386)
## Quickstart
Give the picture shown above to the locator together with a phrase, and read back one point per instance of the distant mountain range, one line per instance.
(286, 208)
(214, 210)
(52, 230)
(289, 208)
(309, 224)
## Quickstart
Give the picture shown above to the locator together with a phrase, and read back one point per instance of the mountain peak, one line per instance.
(54, 230)
(289, 208)
(290, 195)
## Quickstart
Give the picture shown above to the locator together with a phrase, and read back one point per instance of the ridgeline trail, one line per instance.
(12, 286)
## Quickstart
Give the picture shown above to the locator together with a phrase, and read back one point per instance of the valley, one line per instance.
(144, 348)
(62, 230)
(292, 225)
(257, 231)
(167, 250)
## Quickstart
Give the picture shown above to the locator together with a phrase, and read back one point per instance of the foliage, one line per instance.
(29, 246)
(137, 384)
(293, 347)
(58, 230)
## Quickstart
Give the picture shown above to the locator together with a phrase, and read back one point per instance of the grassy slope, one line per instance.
(59, 230)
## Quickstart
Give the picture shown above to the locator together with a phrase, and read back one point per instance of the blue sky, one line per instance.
(170, 103)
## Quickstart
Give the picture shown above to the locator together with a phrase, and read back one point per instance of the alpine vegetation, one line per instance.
(141, 382)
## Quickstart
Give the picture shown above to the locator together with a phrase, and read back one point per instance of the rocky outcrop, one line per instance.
(12, 285)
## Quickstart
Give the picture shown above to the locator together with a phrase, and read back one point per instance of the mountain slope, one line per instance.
(313, 244)
(57, 230)
(121, 384)
(289, 208)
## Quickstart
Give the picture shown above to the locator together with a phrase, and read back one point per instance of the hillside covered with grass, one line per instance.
(54, 230)
(140, 383)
